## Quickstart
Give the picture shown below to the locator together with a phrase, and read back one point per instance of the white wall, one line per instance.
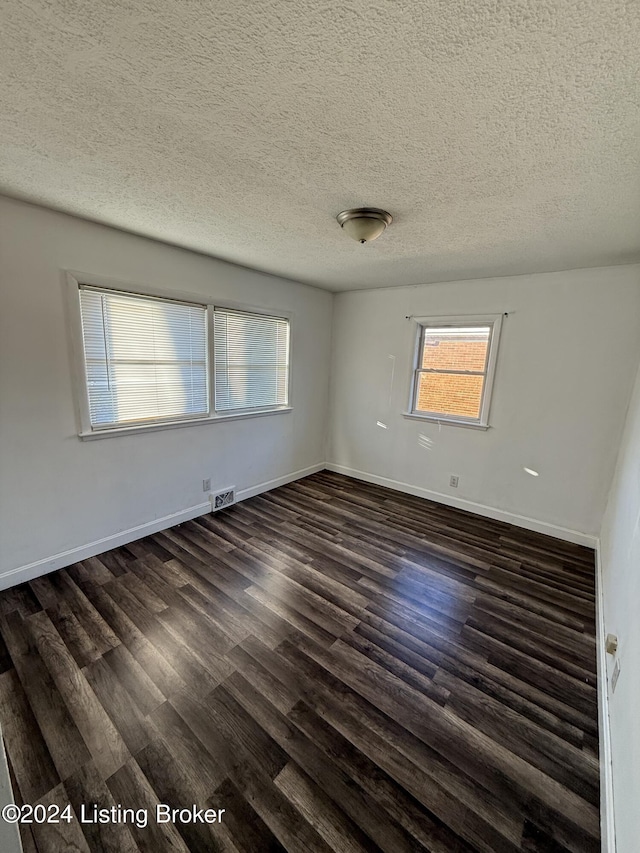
(58, 493)
(568, 353)
(620, 562)
(567, 356)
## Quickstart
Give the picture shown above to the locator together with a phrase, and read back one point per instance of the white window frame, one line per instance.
(74, 280)
(460, 321)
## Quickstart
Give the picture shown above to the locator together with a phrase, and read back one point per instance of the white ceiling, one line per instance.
(503, 135)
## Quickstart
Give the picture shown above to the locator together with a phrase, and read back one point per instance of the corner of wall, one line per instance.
(607, 813)
(328, 418)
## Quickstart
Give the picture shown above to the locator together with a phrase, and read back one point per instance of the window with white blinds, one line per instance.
(251, 361)
(145, 358)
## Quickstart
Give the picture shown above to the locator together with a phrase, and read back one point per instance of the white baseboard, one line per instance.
(607, 821)
(99, 546)
(243, 494)
(545, 527)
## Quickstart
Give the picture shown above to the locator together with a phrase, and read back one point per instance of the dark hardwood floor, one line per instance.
(338, 666)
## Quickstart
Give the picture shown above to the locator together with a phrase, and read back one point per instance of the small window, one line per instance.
(145, 358)
(454, 369)
(251, 361)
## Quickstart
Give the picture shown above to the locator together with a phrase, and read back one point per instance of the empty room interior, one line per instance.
(320, 426)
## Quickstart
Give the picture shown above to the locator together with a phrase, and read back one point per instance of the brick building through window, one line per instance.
(451, 373)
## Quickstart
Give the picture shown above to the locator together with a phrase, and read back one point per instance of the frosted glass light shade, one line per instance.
(364, 224)
(364, 230)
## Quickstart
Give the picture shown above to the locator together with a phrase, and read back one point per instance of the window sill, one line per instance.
(445, 421)
(95, 434)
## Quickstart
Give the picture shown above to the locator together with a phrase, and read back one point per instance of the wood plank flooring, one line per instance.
(338, 666)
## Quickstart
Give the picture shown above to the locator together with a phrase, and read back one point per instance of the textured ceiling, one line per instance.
(503, 135)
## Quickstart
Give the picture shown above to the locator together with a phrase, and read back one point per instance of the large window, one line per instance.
(454, 367)
(145, 359)
(251, 360)
(152, 361)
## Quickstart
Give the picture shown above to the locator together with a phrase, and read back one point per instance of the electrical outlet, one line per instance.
(206, 485)
(615, 675)
(453, 481)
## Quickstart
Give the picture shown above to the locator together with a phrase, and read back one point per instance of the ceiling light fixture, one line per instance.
(364, 224)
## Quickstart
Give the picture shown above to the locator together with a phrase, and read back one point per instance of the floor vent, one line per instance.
(222, 499)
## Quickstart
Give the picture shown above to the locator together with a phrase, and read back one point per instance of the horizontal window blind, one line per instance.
(251, 362)
(146, 358)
